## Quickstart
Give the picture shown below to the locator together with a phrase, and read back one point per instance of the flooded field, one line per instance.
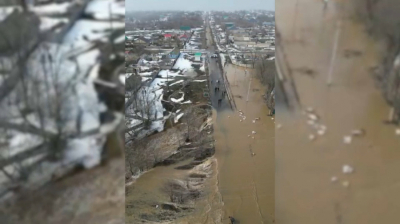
(339, 166)
(245, 152)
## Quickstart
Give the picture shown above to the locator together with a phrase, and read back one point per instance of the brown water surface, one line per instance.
(246, 180)
(304, 168)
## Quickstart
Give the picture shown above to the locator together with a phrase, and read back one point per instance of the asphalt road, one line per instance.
(215, 74)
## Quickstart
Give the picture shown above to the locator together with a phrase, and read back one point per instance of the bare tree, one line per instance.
(24, 5)
(266, 71)
(253, 56)
(40, 105)
(381, 18)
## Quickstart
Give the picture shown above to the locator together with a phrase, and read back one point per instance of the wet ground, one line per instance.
(246, 160)
(93, 196)
(147, 190)
(311, 185)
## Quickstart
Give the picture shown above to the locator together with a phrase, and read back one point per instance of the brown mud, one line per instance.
(311, 186)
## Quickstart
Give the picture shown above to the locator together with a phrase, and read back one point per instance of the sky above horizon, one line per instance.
(222, 5)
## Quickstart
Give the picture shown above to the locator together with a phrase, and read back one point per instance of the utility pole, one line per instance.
(111, 26)
(167, 82)
(294, 21)
(248, 91)
(25, 4)
(334, 51)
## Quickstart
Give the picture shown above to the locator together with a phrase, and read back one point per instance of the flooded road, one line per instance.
(246, 164)
(325, 180)
(245, 160)
(215, 76)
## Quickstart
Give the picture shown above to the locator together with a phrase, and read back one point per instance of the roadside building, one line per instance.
(183, 37)
(197, 56)
(185, 28)
(167, 36)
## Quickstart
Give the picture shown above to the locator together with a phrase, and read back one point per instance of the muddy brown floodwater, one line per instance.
(311, 186)
(242, 180)
(147, 189)
(246, 160)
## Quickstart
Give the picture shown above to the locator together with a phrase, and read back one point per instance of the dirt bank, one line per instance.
(166, 172)
(93, 196)
(168, 191)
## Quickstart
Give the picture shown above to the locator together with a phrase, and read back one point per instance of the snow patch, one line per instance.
(51, 9)
(180, 81)
(168, 73)
(179, 116)
(178, 100)
(122, 79)
(105, 9)
(46, 23)
(86, 151)
(145, 74)
(94, 72)
(182, 63)
(91, 31)
(120, 39)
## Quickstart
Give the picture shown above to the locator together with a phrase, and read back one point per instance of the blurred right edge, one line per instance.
(337, 101)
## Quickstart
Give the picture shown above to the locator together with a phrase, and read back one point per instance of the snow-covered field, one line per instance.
(63, 75)
(46, 23)
(148, 102)
(169, 74)
(182, 64)
(150, 97)
(106, 9)
(84, 31)
(52, 8)
(148, 106)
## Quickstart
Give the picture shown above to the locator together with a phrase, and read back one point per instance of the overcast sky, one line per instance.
(133, 5)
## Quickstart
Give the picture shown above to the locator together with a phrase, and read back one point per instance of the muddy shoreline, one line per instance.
(183, 148)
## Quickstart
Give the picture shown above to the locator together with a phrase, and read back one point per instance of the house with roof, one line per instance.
(269, 23)
(141, 40)
(185, 28)
(252, 20)
(184, 37)
(232, 28)
(167, 36)
(229, 24)
(197, 56)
